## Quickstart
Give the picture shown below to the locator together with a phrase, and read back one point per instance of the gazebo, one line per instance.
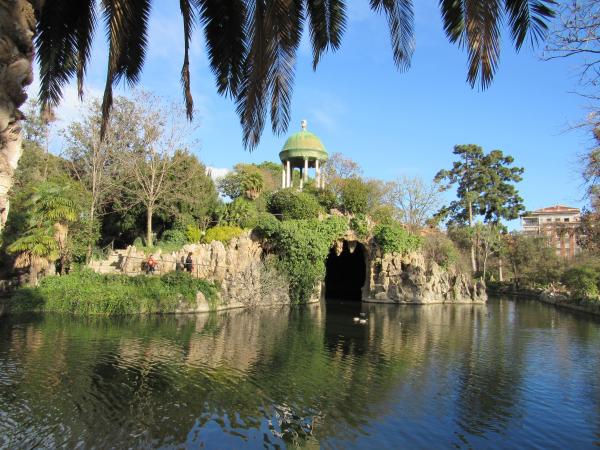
(302, 150)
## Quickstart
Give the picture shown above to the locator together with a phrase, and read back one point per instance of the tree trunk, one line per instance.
(17, 29)
(88, 256)
(473, 260)
(500, 274)
(149, 226)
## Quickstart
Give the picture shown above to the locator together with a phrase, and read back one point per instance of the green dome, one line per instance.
(303, 145)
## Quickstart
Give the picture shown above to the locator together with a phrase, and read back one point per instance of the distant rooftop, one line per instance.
(556, 209)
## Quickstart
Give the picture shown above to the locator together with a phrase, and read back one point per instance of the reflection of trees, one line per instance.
(272, 375)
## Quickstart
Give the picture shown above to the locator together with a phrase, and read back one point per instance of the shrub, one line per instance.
(86, 292)
(355, 196)
(360, 225)
(266, 225)
(223, 233)
(393, 238)
(193, 234)
(174, 237)
(289, 204)
(326, 197)
(441, 249)
(302, 246)
(383, 214)
(582, 281)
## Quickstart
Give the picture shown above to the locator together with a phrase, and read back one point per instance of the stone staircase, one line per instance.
(114, 263)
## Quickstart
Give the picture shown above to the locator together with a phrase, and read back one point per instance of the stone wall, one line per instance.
(239, 268)
(412, 279)
(246, 280)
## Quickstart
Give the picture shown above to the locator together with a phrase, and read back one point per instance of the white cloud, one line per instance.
(217, 172)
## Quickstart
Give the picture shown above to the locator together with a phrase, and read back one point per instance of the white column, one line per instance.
(305, 173)
(318, 172)
(288, 173)
(283, 177)
(301, 178)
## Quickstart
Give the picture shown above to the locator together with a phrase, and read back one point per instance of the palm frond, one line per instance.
(251, 97)
(482, 20)
(327, 23)
(528, 16)
(453, 19)
(286, 18)
(225, 26)
(126, 23)
(400, 18)
(65, 31)
(188, 15)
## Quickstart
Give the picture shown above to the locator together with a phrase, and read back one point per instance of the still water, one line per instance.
(503, 375)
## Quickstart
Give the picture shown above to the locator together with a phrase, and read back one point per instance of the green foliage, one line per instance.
(223, 233)
(193, 234)
(326, 197)
(86, 292)
(174, 237)
(383, 214)
(483, 181)
(440, 249)
(393, 238)
(532, 260)
(355, 195)
(289, 204)
(582, 281)
(240, 212)
(360, 225)
(302, 247)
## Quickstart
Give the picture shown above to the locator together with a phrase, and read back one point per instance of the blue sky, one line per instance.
(390, 122)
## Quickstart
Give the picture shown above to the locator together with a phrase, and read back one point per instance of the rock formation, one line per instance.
(412, 279)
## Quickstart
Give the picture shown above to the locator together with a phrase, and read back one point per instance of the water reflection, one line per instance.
(496, 375)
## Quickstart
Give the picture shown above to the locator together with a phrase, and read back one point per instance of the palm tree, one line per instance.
(251, 44)
(252, 185)
(52, 210)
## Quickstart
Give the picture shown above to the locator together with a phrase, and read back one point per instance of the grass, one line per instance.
(88, 293)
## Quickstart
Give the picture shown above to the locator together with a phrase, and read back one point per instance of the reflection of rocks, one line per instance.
(411, 279)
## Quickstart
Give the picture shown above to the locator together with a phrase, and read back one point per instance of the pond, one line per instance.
(503, 375)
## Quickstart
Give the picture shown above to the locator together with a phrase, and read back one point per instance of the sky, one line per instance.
(392, 123)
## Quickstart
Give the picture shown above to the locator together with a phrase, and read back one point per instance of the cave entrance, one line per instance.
(346, 273)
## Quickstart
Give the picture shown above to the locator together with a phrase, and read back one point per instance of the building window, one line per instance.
(566, 219)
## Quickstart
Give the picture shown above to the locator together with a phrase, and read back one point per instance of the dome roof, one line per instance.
(301, 145)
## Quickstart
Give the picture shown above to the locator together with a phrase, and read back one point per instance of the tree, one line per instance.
(251, 46)
(577, 33)
(53, 207)
(246, 180)
(414, 199)
(153, 156)
(194, 196)
(531, 259)
(339, 167)
(93, 161)
(355, 196)
(484, 187)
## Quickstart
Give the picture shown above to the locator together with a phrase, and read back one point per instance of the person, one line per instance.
(150, 264)
(189, 263)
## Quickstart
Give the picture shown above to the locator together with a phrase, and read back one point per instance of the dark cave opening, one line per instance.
(346, 273)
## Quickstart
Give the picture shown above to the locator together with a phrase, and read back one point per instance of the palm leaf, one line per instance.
(126, 23)
(286, 18)
(528, 16)
(400, 18)
(225, 25)
(327, 23)
(188, 14)
(65, 31)
(482, 20)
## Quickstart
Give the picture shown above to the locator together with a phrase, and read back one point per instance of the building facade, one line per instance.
(559, 224)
